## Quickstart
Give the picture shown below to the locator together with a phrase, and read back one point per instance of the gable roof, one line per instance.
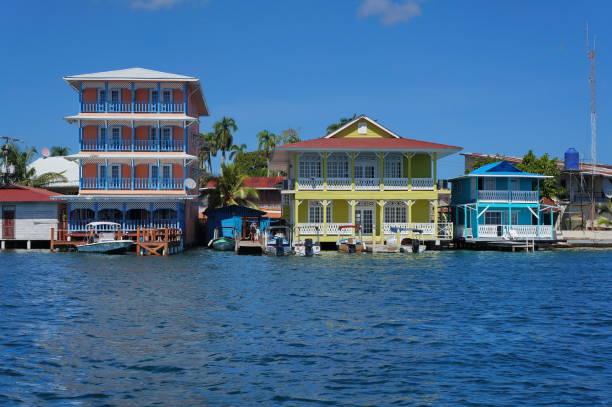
(501, 169)
(22, 193)
(131, 74)
(364, 117)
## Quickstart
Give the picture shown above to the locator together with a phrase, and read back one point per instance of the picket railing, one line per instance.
(310, 184)
(395, 184)
(507, 196)
(423, 184)
(518, 231)
(339, 184)
(132, 107)
(367, 184)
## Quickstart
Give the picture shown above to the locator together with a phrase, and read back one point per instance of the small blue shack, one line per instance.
(232, 216)
(500, 201)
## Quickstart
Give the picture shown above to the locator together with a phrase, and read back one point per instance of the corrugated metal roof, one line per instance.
(131, 73)
(22, 193)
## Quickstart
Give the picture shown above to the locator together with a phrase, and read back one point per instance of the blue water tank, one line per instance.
(572, 160)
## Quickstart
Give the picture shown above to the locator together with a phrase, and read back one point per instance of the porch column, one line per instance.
(353, 204)
(509, 216)
(185, 99)
(80, 173)
(381, 216)
(81, 134)
(106, 97)
(296, 216)
(296, 163)
(184, 173)
(67, 218)
(353, 171)
(324, 202)
(324, 172)
(132, 134)
(105, 135)
(158, 95)
(107, 175)
(552, 226)
(185, 136)
(435, 218)
(158, 133)
(159, 174)
(435, 170)
(132, 94)
(465, 225)
(150, 219)
(123, 211)
(133, 180)
(409, 156)
(381, 171)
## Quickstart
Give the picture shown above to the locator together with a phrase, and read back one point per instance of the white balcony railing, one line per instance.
(519, 231)
(507, 196)
(367, 184)
(339, 184)
(310, 184)
(424, 184)
(310, 228)
(396, 184)
(445, 229)
(524, 196)
(334, 229)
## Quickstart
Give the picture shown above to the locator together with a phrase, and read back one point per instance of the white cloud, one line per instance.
(391, 12)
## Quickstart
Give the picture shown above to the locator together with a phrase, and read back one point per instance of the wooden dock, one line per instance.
(148, 242)
(245, 246)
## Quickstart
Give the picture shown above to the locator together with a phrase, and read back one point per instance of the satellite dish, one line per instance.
(45, 152)
(190, 183)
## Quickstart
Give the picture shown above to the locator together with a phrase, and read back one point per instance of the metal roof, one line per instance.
(131, 74)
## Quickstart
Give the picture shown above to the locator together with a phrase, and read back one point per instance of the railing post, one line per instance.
(185, 99)
(158, 95)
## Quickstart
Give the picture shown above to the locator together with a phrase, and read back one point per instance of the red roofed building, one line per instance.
(28, 214)
(268, 188)
(362, 174)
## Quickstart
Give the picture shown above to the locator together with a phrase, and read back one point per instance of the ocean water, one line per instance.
(205, 328)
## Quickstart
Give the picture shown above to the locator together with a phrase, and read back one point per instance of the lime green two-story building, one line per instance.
(362, 174)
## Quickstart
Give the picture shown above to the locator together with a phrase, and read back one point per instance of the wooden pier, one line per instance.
(148, 242)
(245, 246)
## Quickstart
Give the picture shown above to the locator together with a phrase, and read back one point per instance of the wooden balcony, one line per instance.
(508, 196)
(135, 145)
(173, 184)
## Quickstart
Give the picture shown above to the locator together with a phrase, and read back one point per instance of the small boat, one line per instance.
(351, 244)
(277, 241)
(221, 241)
(307, 248)
(103, 239)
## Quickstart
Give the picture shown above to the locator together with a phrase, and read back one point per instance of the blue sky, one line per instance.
(490, 76)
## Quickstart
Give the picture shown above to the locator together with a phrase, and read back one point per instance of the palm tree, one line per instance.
(236, 150)
(27, 176)
(223, 130)
(231, 189)
(209, 149)
(59, 151)
(335, 126)
(266, 141)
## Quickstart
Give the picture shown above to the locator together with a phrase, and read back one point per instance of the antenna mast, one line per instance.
(593, 114)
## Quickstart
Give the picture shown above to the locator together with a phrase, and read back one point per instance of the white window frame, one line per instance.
(488, 221)
(99, 171)
(393, 166)
(395, 212)
(365, 162)
(151, 99)
(102, 137)
(112, 129)
(98, 92)
(111, 91)
(338, 166)
(309, 167)
(163, 167)
(151, 171)
(170, 92)
(315, 212)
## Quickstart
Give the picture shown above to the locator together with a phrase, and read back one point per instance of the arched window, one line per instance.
(87, 215)
(137, 214)
(338, 166)
(110, 215)
(164, 214)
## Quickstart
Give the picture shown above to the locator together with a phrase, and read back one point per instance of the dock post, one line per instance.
(51, 242)
(29, 244)
(3, 244)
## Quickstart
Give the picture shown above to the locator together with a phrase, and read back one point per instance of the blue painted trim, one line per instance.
(133, 136)
(185, 99)
(132, 94)
(81, 96)
(106, 97)
(185, 141)
(159, 95)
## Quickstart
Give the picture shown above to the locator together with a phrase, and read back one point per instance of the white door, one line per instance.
(365, 217)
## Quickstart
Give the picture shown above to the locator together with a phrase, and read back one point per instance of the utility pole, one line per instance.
(593, 117)
(6, 168)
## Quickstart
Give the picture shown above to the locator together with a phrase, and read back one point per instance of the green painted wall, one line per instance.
(420, 211)
(421, 166)
(340, 211)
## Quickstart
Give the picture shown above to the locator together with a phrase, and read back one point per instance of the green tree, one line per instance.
(224, 130)
(266, 141)
(59, 151)
(236, 150)
(544, 165)
(481, 161)
(344, 120)
(208, 151)
(20, 160)
(289, 136)
(605, 214)
(231, 190)
(252, 163)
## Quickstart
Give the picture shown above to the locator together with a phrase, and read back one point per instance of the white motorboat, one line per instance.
(103, 239)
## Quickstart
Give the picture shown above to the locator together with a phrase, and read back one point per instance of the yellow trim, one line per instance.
(353, 171)
(367, 195)
(325, 171)
(324, 217)
(435, 170)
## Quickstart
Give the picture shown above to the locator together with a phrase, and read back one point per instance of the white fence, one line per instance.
(508, 196)
(445, 229)
(339, 184)
(424, 184)
(310, 184)
(519, 231)
(395, 184)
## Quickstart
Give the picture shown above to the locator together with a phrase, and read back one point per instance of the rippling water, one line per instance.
(213, 329)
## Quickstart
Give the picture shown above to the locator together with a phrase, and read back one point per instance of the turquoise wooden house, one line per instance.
(499, 201)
